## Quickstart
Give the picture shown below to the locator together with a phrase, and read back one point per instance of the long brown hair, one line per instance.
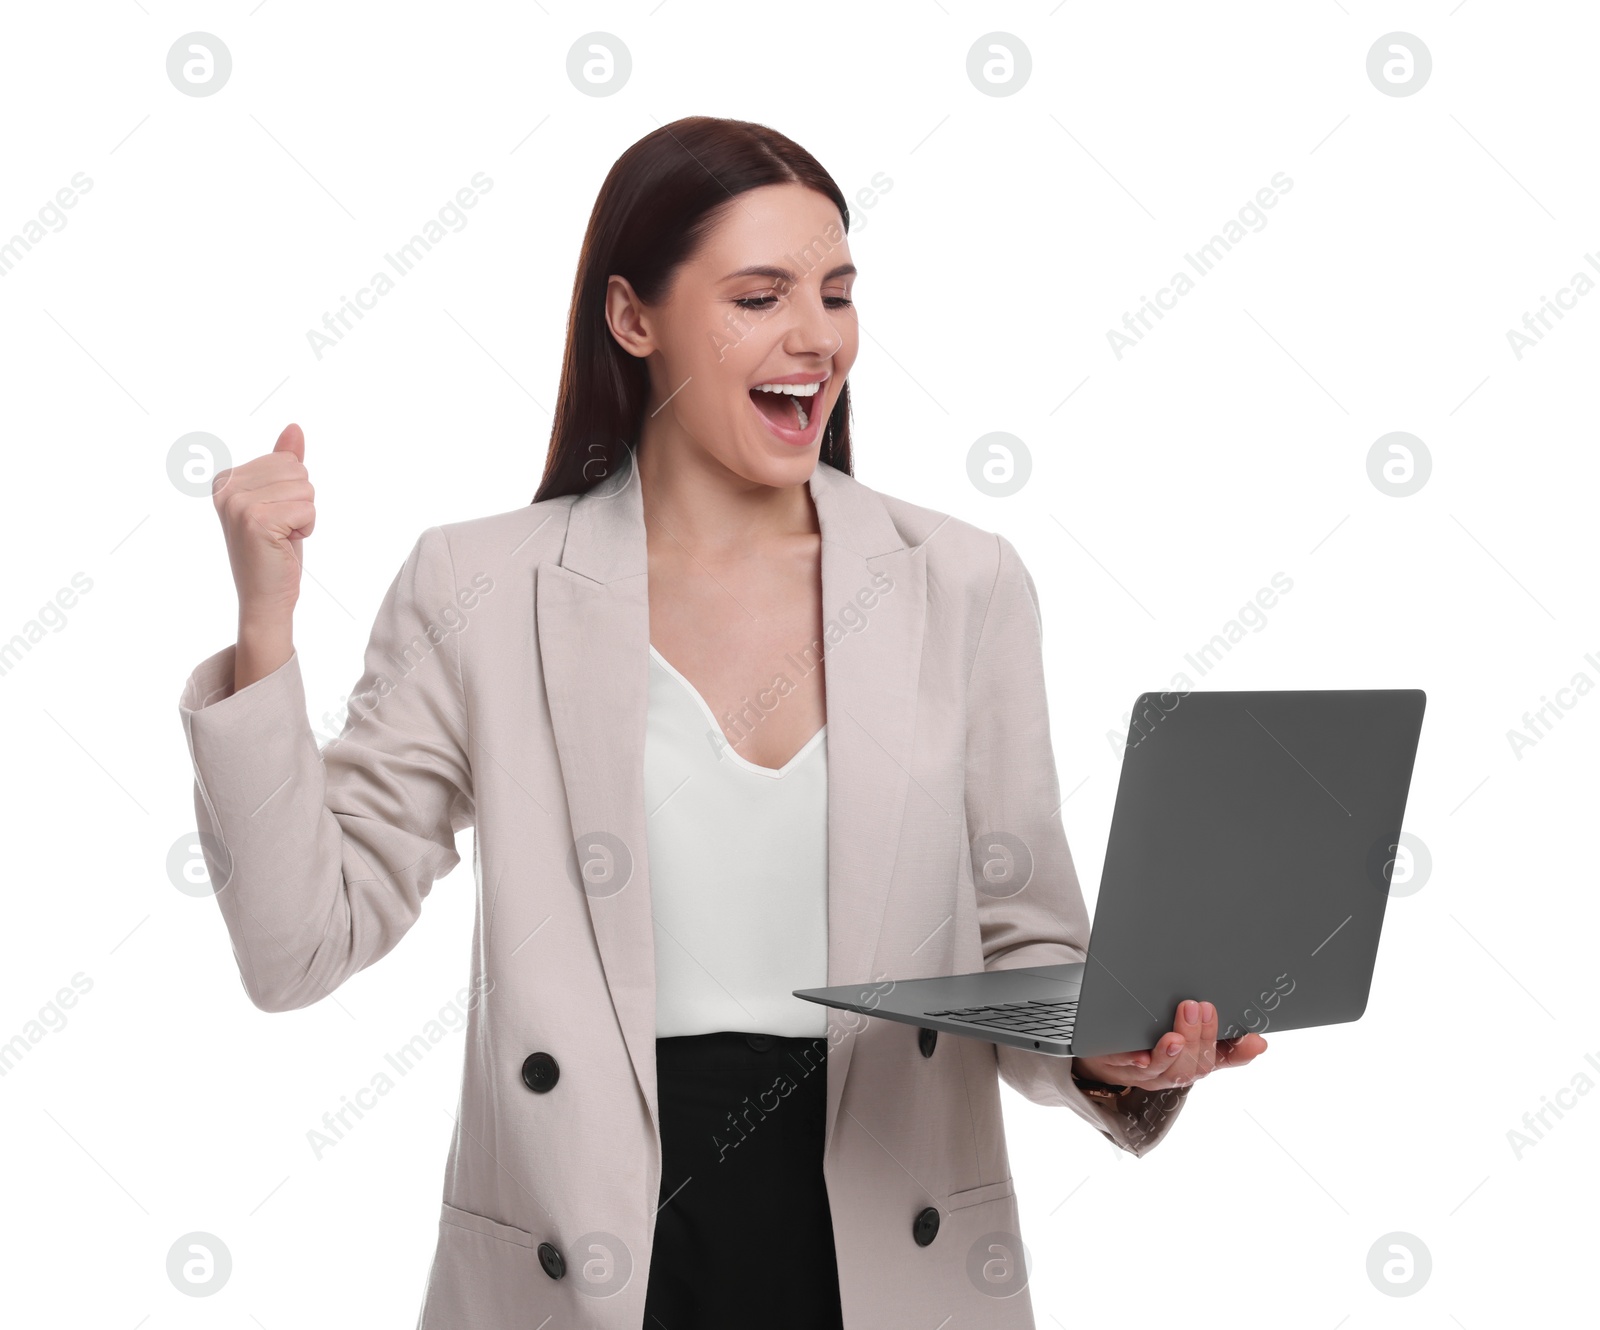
(659, 200)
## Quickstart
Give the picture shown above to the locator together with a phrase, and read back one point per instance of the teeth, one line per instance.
(793, 389)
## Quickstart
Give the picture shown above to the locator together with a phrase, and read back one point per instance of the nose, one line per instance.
(812, 331)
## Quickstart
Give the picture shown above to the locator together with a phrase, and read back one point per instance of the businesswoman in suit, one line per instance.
(727, 723)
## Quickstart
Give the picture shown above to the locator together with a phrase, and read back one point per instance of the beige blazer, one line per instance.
(504, 689)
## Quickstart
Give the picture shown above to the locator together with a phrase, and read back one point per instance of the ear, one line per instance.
(628, 318)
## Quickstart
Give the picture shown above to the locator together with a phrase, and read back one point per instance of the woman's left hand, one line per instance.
(1187, 1052)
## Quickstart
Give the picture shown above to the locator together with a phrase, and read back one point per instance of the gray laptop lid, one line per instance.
(1251, 848)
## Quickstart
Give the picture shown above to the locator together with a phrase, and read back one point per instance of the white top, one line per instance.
(738, 859)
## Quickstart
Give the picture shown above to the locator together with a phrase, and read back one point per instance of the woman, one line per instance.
(622, 688)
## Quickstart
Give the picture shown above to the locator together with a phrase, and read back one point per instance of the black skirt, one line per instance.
(743, 1234)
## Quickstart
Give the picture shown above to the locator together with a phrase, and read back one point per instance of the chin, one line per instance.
(778, 471)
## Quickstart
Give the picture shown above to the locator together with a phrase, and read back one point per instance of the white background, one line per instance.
(1230, 444)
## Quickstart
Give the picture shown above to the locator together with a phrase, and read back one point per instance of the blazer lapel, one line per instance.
(593, 615)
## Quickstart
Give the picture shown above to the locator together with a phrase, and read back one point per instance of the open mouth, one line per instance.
(791, 410)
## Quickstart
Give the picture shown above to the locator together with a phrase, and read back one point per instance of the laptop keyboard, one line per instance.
(1053, 1019)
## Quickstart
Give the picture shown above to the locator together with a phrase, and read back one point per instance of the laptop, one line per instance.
(1252, 844)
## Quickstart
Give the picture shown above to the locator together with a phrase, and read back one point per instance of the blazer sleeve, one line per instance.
(320, 859)
(1012, 807)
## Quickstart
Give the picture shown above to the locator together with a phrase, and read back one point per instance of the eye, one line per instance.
(766, 302)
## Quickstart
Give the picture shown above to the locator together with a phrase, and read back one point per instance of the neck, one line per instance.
(690, 497)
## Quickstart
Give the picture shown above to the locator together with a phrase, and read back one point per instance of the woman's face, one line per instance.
(766, 300)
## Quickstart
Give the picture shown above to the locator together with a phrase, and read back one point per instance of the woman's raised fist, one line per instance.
(266, 510)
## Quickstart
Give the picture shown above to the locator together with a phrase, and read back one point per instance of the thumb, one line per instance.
(292, 440)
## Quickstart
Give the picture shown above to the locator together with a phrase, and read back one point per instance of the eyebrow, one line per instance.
(784, 275)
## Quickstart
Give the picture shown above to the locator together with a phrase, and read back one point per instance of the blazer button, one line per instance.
(760, 1042)
(925, 1227)
(539, 1073)
(553, 1262)
(926, 1039)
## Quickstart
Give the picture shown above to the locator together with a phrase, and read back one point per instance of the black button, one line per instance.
(554, 1263)
(925, 1227)
(926, 1039)
(540, 1072)
(760, 1042)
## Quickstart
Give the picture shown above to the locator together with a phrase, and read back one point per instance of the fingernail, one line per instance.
(1207, 1012)
(1172, 1050)
(1191, 1010)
